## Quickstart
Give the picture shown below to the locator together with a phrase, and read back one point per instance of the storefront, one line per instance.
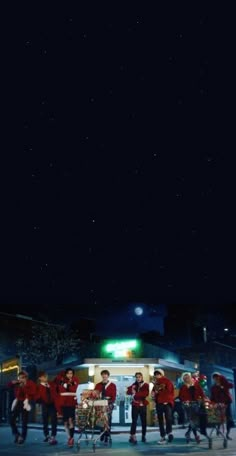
(122, 363)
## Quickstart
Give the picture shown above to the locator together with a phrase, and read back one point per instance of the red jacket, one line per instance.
(139, 391)
(220, 393)
(187, 394)
(110, 390)
(66, 390)
(163, 391)
(27, 391)
(46, 394)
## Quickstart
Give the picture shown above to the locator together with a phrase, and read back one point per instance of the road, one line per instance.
(34, 446)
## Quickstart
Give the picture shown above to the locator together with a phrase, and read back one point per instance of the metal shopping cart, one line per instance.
(216, 421)
(92, 415)
(206, 414)
(193, 411)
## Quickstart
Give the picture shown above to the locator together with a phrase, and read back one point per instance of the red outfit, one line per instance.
(46, 394)
(26, 391)
(192, 393)
(165, 393)
(66, 390)
(220, 393)
(110, 390)
(139, 391)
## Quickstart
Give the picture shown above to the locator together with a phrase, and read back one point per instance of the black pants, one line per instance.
(19, 412)
(229, 419)
(164, 410)
(49, 411)
(136, 412)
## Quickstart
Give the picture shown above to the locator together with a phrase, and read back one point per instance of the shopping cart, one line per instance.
(216, 421)
(206, 414)
(193, 411)
(92, 415)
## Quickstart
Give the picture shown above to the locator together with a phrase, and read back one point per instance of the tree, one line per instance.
(48, 342)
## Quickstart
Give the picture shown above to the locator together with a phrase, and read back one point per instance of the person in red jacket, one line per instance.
(46, 395)
(191, 392)
(163, 394)
(107, 390)
(25, 391)
(139, 390)
(67, 384)
(220, 394)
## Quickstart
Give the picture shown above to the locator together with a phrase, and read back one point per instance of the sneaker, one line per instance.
(47, 438)
(228, 436)
(16, 438)
(197, 438)
(170, 438)
(133, 440)
(70, 442)
(52, 441)
(20, 440)
(143, 439)
(162, 441)
(106, 440)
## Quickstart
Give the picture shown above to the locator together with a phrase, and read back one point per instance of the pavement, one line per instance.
(34, 445)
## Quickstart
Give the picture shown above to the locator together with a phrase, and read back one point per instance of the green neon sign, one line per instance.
(122, 349)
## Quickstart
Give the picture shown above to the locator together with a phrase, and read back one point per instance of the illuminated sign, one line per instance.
(121, 349)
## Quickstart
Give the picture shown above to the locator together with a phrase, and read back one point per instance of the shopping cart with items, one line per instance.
(203, 415)
(193, 412)
(92, 415)
(216, 421)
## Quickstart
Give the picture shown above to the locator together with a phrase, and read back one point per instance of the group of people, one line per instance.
(58, 398)
(164, 396)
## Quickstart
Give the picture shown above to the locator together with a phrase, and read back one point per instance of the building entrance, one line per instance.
(122, 410)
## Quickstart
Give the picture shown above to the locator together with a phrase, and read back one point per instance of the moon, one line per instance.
(138, 311)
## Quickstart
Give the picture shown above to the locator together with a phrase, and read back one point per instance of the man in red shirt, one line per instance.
(191, 395)
(46, 395)
(107, 390)
(220, 394)
(139, 390)
(25, 391)
(67, 384)
(163, 394)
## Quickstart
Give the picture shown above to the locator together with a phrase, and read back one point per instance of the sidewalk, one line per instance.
(34, 445)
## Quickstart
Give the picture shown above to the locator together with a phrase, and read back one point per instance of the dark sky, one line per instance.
(113, 189)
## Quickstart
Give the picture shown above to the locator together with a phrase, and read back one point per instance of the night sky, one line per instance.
(114, 191)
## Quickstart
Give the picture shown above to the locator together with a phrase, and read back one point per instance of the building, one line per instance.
(123, 358)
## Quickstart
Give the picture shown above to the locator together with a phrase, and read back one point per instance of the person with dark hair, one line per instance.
(107, 390)
(139, 390)
(67, 384)
(46, 395)
(220, 394)
(25, 391)
(163, 394)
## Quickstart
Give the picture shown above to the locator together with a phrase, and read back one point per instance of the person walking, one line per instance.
(220, 394)
(46, 396)
(163, 394)
(107, 390)
(24, 391)
(139, 391)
